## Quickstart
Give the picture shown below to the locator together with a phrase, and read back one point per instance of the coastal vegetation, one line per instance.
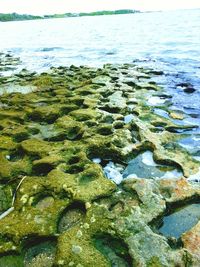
(17, 17)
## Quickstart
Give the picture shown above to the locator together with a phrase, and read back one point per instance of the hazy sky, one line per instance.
(62, 6)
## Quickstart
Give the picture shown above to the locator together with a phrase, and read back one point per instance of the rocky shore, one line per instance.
(92, 173)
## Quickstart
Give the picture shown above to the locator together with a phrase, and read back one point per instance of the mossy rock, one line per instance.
(7, 143)
(85, 114)
(5, 198)
(43, 81)
(11, 170)
(13, 115)
(19, 133)
(36, 147)
(69, 128)
(46, 164)
(45, 114)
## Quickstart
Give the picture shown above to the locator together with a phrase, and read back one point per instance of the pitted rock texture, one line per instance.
(48, 140)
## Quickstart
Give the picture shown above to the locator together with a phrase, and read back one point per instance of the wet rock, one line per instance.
(187, 87)
(176, 115)
(154, 72)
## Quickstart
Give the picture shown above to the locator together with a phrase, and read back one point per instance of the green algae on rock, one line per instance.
(60, 136)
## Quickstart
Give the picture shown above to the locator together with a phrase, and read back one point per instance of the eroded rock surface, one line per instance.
(55, 142)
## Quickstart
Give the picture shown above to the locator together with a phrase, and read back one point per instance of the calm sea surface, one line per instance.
(168, 41)
(167, 37)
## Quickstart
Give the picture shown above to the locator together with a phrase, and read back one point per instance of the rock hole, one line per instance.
(43, 169)
(114, 249)
(74, 133)
(74, 160)
(15, 156)
(105, 130)
(74, 169)
(110, 109)
(71, 216)
(78, 101)
(40, 254)
(86, 178)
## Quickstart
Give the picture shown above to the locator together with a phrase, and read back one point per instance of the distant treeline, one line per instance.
(96, 13)
(116, 12)
(15, 16)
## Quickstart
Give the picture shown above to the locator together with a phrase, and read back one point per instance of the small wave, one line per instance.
(110, 53)
(15, 50)
(148, 59)
(49, 49)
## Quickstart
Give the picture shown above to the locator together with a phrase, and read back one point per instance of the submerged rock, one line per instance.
(180, 221)
(113, 173)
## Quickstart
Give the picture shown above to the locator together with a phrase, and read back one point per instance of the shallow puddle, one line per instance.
(156, 101)
(197, 158)
(161, 112)
(182, 220)
(195, 177)
(17, 89)
(191, 143)
(144, 166)
(128, 118)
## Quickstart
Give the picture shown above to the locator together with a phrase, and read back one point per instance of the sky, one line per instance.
(39, 7)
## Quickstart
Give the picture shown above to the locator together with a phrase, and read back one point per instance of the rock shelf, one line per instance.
(55, 133)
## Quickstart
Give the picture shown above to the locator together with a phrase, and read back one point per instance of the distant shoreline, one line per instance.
(19, 17)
